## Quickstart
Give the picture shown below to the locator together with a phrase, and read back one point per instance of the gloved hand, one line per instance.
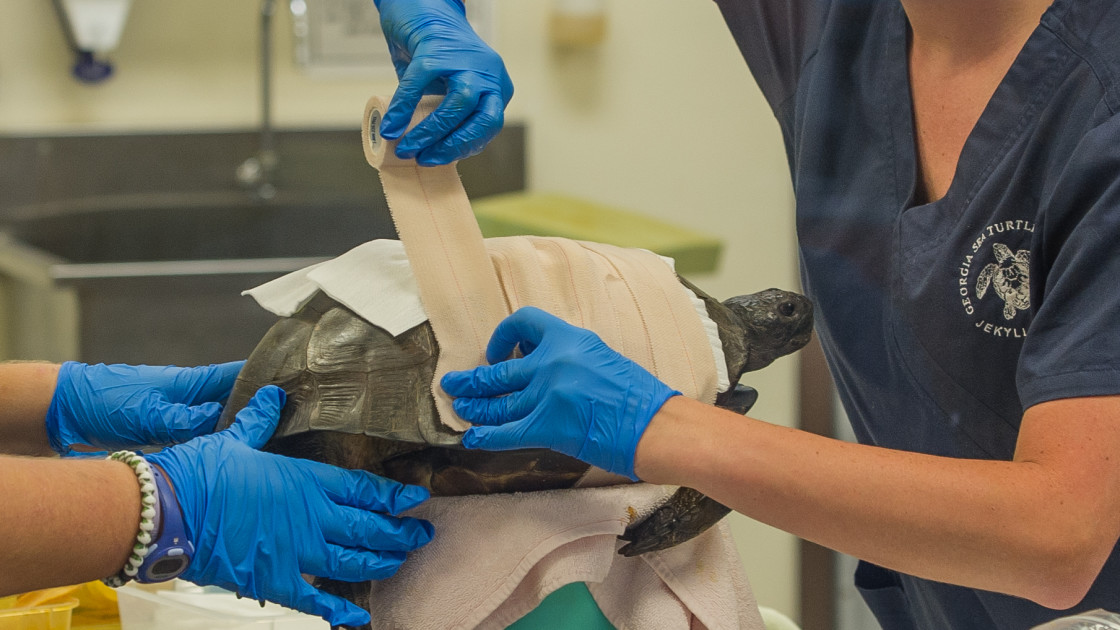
(258, 520)
(435, 51)
(570, 393)
(125, 406)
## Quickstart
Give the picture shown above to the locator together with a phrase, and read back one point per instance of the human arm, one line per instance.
(64, 521)
(257, 520)
(107, 406)
(26, 388)
(435, 51)
(776, 38)
(1039, 526)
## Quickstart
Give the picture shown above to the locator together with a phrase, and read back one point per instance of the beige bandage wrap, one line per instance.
(630, 297)
(468, 284)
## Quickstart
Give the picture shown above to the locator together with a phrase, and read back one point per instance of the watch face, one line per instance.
(167, 568)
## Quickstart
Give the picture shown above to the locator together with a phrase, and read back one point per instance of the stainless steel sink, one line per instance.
(136, 248)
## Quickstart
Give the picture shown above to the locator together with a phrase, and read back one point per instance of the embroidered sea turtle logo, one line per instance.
(1009, 277)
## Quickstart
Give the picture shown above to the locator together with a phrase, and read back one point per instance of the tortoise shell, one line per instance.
(360, 398)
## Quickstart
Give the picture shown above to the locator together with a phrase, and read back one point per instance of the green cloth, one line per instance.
(568, 608)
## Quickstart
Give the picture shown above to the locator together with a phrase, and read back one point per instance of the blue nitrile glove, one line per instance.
(570, 393)
(258, 520)
(436, 51)
(127, 406)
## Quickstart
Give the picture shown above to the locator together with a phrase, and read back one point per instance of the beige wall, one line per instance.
(663, 117)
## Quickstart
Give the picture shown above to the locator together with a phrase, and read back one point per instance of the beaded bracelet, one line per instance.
(149, 516)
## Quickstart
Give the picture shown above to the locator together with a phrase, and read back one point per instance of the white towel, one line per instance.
(495, 557)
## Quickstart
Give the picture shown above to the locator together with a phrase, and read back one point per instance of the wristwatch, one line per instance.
(171, 551)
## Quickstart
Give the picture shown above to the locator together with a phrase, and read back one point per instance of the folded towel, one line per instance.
(494, 558)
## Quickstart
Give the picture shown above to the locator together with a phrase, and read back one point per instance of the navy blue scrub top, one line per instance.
(942, 322)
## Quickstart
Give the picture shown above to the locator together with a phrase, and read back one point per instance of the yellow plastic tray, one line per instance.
(54, 616)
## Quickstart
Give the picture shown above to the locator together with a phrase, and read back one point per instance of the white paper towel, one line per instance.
(374, 280)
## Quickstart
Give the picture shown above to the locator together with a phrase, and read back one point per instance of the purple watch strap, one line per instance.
(171, 550)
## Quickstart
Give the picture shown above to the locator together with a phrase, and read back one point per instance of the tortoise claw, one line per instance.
(739, 399)
(354, 592)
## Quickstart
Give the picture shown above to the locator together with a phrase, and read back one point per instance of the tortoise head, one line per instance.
(775, 323)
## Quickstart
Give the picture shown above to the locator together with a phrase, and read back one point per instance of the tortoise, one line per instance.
(360, 398)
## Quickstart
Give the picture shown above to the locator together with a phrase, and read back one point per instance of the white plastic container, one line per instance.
(193, 608)
(1092, 620)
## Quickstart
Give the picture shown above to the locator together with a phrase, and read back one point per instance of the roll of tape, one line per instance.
(380, 151)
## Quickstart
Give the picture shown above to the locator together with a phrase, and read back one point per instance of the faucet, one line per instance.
(256, 172)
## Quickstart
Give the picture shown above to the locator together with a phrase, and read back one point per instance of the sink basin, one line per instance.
(113, 259)
(163, 285)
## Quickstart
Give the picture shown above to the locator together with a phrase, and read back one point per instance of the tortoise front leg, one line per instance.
(686, 515)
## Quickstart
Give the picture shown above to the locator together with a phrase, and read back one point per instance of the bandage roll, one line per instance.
(381, 152)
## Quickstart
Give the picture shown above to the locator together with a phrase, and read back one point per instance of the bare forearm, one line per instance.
(25, 394)
(64, 521)
(1010, 527)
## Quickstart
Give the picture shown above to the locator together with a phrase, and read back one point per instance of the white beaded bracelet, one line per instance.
(149, 516)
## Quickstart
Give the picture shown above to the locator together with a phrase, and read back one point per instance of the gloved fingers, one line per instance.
(471, 136)
(401, 58)
(506, 437)
(456, 107)
(255, 423)
(495, 411)
(205, 383)
(355, 528)
(490, 380)
(352, 565)
(175, 423)
(416, 78)
(526, 326)
(364, 490)
(337, 611)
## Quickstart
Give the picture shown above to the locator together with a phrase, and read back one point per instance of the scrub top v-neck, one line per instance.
(942, 322)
